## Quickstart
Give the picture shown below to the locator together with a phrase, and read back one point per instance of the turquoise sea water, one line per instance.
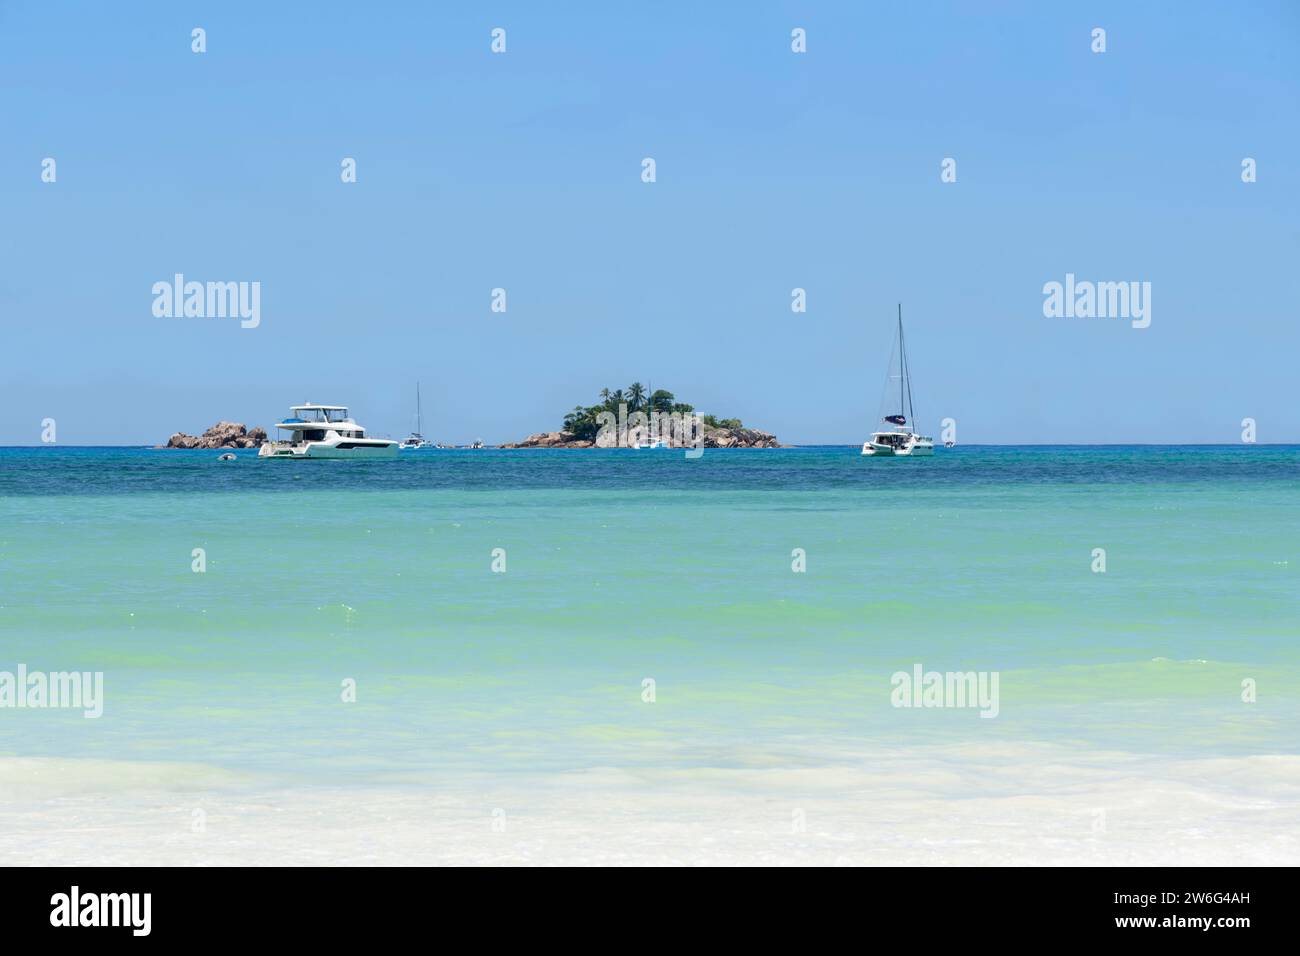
(623, 566)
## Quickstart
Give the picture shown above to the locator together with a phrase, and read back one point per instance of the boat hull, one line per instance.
(919, 448)
(346, 448)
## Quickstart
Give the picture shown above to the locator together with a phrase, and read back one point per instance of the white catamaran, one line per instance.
(325, 431)
(415, 439)
(900, 438)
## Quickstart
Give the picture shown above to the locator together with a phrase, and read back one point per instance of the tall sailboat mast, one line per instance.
(902, 368)
(419, 425)
(906, 383)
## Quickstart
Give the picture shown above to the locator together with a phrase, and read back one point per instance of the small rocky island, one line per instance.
(220, 435)
(636, 416)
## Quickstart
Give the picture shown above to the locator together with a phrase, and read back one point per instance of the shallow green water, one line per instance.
(622, 566)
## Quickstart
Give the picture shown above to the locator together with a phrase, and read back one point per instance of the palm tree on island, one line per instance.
(583, 423)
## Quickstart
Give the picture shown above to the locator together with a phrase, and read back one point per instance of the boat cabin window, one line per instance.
(322, 414)
(314, 434)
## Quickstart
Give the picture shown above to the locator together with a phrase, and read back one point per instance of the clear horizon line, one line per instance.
(854, 444)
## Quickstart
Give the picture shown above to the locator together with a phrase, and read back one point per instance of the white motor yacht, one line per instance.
(325, 431)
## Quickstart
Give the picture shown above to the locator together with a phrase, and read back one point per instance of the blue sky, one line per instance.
(774, 171)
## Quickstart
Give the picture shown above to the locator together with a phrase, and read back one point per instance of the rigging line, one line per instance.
(881, 408)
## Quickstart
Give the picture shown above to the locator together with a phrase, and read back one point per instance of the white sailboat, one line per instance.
(415, 439)
(899, 439)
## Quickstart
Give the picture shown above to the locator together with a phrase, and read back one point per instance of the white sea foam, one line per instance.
(998, 804)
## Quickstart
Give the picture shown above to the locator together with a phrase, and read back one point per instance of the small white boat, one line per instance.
(899, 439)
(415, 439)
(325, 431)
(228, 456)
